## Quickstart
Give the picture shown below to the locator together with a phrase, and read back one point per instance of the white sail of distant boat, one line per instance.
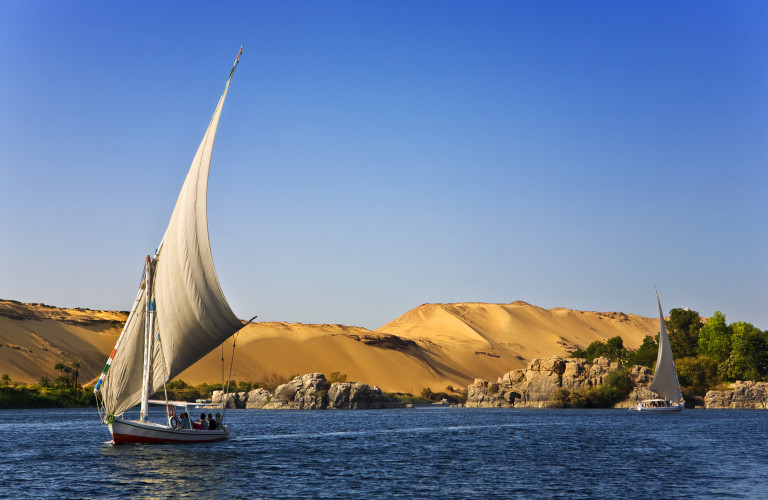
(665, 382)
(179, 315)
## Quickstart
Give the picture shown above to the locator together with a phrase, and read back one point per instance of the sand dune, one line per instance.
(433, 345)
(34, 337)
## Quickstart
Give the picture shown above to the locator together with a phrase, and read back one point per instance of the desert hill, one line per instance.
(433, 345)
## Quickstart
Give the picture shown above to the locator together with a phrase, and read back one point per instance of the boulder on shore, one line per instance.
(741, 396)
(641, 377)
(257, 398)
(356, 395)
(310, 392)
(230, 400)
(306, 392)
(534, 386)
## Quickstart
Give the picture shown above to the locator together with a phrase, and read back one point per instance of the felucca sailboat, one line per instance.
(179, 315)
(665, 382)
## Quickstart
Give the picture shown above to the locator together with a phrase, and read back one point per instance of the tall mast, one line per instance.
(149, 325)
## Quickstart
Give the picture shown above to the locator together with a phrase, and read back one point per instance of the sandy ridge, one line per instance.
(432, 345)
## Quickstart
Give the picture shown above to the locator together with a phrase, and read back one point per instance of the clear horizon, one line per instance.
(375, 156)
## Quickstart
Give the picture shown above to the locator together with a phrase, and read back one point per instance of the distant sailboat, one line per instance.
(665, 382)
(179, 315)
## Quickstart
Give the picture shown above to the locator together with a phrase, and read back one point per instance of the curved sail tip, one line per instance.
(237, 60)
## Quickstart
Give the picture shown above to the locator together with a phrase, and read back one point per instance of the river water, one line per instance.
(411, 453)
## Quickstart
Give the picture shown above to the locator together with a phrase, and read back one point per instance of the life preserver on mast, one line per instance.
(174, 421)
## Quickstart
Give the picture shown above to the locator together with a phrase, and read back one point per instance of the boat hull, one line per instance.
(673, 407)
(134, 431)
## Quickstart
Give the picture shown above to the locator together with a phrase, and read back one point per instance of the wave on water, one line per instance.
(370, 432)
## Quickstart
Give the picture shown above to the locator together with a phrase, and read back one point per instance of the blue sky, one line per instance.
(374, 156)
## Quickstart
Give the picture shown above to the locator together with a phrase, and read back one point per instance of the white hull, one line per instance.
(135, 431)
(671, 407)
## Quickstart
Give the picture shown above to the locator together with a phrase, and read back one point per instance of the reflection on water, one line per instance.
(385, 453)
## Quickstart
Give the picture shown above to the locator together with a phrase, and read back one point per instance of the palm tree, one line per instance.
(68, 376)
(60, 367)
(76, 367)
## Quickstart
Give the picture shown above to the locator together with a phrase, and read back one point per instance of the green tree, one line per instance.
(699, 373)
(749, 353)
(612, 349)
(646, 354)
(426, 393)
(620, 383)
(177, 384)
(68, 372)
(683, 328)
(5, 380)
(715, 338)
(76, 370)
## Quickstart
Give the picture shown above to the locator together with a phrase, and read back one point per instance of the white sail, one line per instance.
(665, 377)
(192, 316)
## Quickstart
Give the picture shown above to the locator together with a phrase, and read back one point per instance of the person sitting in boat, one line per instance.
(219, 425)
(211, 423)
(185, 421)
(203, 422)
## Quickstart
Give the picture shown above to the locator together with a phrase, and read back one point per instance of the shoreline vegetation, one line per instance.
(62, 393)
(30, 396)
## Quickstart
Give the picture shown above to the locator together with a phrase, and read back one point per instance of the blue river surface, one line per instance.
(408, 453)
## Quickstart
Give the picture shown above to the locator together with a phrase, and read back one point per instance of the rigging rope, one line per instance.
(222, 365)
(232, 362)
(226, 391)
(168, 411)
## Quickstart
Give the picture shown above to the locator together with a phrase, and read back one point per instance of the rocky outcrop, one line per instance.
(741, 396)
(230, 400)
(534, 386)
(310, 392)
(641, 377)
(384, 341)
(355, 396)
(13, 309)
(257, 398)
(306, 392)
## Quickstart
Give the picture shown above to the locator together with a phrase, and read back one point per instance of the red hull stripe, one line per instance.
(128, 438)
